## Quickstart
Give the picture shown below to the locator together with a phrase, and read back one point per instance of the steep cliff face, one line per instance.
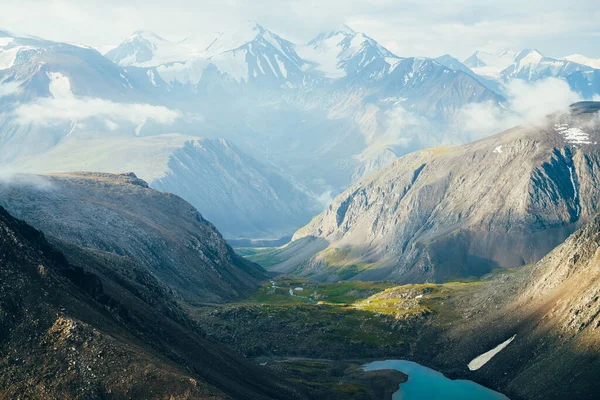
(93, 325)
(119, 214)
(442, 213)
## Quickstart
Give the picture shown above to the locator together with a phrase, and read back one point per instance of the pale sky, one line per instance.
(408, 28)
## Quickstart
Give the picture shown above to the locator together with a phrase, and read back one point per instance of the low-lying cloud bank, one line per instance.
(11, 178)
(526, 102)
(49, 111)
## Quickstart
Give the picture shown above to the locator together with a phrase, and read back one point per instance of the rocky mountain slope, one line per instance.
(120, 215)
(551, 307)
(96, 325)
(444, 213)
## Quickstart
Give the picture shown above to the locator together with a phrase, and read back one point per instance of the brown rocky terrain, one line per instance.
(77, 328)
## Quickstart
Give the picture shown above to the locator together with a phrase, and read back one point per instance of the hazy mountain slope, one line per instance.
(585, 82)
(442, 213)
(242, 197)
(454, 64)
(98, 326)
(433, 90)
(119, 214)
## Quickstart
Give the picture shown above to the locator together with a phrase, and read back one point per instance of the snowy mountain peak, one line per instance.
(139, 48)
(147, 49)
(529, 56)
(342, 30)
(144, 35)
(342, 51)
(244, 34)
(4, 33)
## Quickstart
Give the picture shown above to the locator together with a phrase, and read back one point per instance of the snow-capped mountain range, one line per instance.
(528, 65)
(316, 116)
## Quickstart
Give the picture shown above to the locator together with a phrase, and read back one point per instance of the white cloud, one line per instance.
(48, 111)
(9, 88)
(527, 102)
(11, 178)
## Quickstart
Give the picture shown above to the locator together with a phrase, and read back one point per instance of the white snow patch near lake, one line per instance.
(498, 150)
(481, 360)
(298, 289)
(419, 296)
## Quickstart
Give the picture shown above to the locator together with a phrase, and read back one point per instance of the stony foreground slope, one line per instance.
(119, 214)
(443, 213)
(98, 326)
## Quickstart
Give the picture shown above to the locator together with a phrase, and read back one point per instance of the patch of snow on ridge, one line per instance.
(150, 74)
(572, 135)
(498, 150)
(481, 360)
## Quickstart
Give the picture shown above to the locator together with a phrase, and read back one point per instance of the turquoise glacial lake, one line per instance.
(428, 384)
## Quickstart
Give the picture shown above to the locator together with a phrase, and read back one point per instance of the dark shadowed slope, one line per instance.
(119, 214)
(98, 326)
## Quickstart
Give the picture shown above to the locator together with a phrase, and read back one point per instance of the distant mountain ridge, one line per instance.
(528, 65)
